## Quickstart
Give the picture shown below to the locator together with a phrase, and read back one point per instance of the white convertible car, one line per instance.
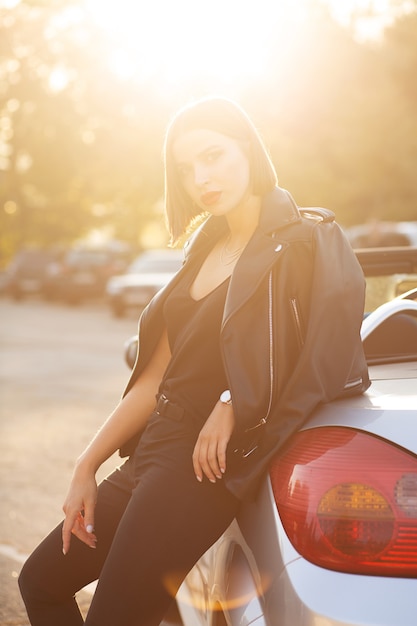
(331, 539)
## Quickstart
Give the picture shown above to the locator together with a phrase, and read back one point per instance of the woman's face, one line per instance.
(214, 170)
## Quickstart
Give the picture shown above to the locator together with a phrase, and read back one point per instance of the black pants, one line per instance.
(153, 520)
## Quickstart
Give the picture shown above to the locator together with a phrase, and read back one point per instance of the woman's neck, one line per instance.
(243, 221)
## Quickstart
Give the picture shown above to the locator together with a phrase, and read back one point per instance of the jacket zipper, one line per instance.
(271, 347)
(297, 319)
(263, 420)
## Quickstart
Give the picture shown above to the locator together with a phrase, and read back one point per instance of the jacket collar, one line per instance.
(263, 250)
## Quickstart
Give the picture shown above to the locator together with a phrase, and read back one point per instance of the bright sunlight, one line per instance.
(371, 15)
(225, 39)
(228, 39)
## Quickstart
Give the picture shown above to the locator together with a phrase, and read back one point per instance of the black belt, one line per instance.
(169, 409)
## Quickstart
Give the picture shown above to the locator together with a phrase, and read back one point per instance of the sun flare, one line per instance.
(191, 38)
(229, 40)
(371, 15)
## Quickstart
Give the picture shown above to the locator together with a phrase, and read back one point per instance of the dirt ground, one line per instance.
(61, 373)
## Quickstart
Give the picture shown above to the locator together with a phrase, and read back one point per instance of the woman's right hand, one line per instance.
(79, 508)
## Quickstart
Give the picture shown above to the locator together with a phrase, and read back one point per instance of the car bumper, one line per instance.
(307, 595)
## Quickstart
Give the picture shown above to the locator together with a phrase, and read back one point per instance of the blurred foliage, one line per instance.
(80, 147)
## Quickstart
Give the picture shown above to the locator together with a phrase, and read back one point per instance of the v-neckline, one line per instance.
(196, 300)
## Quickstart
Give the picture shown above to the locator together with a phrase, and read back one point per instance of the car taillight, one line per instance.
(348, 501)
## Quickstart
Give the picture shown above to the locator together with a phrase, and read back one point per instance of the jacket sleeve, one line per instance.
(331, 361)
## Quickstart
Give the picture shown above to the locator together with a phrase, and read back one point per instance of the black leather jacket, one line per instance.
(291, 328)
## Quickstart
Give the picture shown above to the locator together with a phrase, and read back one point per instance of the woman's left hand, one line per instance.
(209, 456)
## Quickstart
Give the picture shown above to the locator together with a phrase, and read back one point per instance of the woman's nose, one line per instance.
(201, 175)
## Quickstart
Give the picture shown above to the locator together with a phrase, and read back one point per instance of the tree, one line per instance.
(76, 154)
(80, 147)
(343, 134)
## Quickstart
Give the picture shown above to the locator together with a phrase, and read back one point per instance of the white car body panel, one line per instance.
(383, 312)
(387, 409)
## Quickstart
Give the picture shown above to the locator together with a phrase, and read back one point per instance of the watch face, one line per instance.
(226, 397)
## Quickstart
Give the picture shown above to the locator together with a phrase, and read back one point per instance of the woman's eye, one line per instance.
(212, 156)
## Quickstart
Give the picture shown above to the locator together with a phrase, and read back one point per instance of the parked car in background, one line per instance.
(148, 273)
(331, 537)
(379, 233)
(85, 270)
(28, 271)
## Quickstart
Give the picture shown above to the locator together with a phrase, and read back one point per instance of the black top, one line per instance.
(195, 376)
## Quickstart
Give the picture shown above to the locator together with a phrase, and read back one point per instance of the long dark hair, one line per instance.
(223, 116)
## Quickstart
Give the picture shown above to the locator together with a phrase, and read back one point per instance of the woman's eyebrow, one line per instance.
(213, 146)
(202, 153)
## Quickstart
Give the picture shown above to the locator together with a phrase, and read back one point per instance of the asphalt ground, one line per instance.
(61, 373)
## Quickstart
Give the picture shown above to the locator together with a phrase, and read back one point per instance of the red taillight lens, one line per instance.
(348, 501)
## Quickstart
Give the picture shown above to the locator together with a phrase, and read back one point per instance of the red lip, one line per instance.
(211, 197)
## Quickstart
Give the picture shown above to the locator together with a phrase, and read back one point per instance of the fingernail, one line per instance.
(199, 479)
(89, 528)
(63, 552)
(212, 480)
(92, 546)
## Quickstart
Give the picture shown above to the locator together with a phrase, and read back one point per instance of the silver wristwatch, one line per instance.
(225, 397)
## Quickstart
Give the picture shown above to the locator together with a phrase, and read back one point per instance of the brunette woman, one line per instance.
(259, 326)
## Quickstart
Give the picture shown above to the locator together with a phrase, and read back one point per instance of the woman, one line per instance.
(259, 326)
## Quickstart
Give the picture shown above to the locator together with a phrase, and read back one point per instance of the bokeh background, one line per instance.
(87, 88)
